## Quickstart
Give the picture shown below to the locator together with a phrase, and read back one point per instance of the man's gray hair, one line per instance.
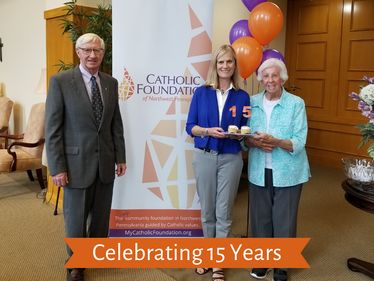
(88, 38)
(271, 63)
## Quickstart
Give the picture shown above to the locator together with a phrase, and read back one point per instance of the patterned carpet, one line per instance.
(31, 239)
(32, 246)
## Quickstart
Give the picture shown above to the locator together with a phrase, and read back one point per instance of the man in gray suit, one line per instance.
(84, 142)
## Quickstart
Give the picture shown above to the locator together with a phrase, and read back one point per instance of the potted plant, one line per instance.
(98, 21)
(362, 170)
(366, 104)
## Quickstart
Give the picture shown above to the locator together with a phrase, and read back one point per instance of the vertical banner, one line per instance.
(161, 53)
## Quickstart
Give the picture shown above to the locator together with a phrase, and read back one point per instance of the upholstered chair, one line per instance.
(24, 153)
(6, 106)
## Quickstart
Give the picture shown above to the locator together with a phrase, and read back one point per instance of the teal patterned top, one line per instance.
(288, 121)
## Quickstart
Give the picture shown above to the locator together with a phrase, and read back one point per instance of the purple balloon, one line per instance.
(272, 54)
(250, 4)
(239, 29)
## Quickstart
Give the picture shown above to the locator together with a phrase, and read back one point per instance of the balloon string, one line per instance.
(252, 84)
(245, 82)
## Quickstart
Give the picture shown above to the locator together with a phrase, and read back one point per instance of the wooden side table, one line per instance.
(361, 197)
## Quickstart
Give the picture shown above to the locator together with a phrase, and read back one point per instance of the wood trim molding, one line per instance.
(61, 11)
(54, 13)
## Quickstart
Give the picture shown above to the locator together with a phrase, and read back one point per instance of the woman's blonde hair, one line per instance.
(213, 79)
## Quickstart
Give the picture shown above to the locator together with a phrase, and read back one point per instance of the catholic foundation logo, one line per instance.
(164, 87)
(127, 87)
(167, 164)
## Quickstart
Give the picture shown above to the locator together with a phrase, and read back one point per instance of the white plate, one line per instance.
(239, 135)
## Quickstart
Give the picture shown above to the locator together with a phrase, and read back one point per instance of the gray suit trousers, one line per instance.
(217, 179)
(87, 211)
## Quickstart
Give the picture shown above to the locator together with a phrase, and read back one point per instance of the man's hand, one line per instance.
(60, 179)
(121, 169)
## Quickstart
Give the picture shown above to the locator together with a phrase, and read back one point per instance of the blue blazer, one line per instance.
(204, 113)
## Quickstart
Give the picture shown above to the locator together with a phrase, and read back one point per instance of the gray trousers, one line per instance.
(217, 179)
(87, 211)
(273, 210)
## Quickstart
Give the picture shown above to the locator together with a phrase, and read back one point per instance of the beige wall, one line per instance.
(22, 29)
(51, 4)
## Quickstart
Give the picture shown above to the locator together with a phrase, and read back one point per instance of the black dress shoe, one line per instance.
(75, 274)
(280, 275)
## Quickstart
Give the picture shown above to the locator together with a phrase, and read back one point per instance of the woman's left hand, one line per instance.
(264, 141)
(268, 143)
(216, 132)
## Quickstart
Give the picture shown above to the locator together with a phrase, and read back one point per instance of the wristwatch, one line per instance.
(205, 133)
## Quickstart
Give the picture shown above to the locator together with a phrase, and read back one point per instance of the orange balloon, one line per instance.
(248, 55)
(265, 22)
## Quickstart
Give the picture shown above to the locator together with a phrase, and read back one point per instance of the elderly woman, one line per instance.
(217, 159)
(278, 164)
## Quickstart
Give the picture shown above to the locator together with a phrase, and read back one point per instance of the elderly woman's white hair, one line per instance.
(271, 63)
(88, 38)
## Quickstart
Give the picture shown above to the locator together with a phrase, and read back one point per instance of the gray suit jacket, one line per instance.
(73, 142)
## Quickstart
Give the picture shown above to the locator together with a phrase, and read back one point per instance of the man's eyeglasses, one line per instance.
(89, 51)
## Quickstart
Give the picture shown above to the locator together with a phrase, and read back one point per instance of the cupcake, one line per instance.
(245, 130)
(232, 129)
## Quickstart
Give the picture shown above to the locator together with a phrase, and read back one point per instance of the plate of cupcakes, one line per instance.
(244, 131)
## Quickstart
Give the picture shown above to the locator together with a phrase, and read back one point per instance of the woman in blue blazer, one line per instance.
(217, 159)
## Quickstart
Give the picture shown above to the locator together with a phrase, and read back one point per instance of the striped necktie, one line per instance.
(97, 104)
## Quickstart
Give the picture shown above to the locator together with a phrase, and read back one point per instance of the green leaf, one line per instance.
(98, 21)
(64, 66)
(371, 150)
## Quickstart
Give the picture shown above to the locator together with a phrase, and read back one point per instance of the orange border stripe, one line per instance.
(187, 252)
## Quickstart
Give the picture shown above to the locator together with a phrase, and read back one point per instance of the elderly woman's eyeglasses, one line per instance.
(89, 51)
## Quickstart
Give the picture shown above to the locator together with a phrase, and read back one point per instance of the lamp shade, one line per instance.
(41, 88)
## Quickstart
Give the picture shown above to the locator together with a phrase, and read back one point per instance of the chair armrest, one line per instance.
(3, 129)
(20, 143)
(12, 137)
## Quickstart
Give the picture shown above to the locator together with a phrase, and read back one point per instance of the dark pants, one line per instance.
(273, 210)
(87, 211)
